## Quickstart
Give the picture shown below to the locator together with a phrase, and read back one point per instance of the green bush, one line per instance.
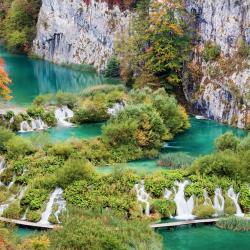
(62, 149)
(165, 207)
(74, 169)
(17, 147)
(234, 223)
(33, 216)
(113, 68)
(84, 230)
(230, 208)
(204, 211)
(245, 197)
(35, 111)
(211, 52)
(227, 141)
(66, 99)
(13, 211)
(5, 136)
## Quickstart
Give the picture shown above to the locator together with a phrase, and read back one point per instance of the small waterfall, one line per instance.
(219, 201)
(184, 208)
(235, 197)
(207, 200)
(48, 210)
(61, 206)
(4, 206)
(142, 196)
(63, 114)
(2, 165)
(35, 124)
(38, 124)
(117, 108)
(167, 194)
(24, 215)
(12, 182)
(25, 127)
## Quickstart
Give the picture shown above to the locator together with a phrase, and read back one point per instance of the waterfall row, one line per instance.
(185, 207)
(63, 115)
(33, 125)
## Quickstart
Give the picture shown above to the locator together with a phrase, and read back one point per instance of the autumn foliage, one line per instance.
(4, 82)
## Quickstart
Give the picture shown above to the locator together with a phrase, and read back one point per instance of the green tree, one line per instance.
(113, 68)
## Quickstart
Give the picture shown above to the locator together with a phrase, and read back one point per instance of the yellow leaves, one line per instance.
(184, 115)
(4, 82)
(40, 242)
(176, 29)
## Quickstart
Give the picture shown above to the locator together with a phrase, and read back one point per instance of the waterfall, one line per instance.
(35, 124)
(2, 165)
(184, 208)
(38, 124)
(235, 197)
(63, 114)
(4, 206)
(167, 194)
(12, 182)
(116, 108)
(61, 206)
(142, 196)
(48, 210)
(207, 200)
(25, 127)
(219, 201)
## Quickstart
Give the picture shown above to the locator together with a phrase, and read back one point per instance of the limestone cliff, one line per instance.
(222, 91)
(73, 32)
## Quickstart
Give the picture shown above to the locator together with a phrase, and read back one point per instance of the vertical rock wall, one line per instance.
(72, 32)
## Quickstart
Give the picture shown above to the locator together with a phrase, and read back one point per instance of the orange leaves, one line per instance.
(4, 82)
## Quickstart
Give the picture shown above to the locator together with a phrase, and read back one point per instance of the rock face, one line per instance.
(73, 32)
(222, 93)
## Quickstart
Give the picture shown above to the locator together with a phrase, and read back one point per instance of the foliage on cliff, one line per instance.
(154, 51)
(18, 20)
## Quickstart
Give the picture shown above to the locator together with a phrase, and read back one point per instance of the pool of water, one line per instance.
(32, 77)
(204, 237)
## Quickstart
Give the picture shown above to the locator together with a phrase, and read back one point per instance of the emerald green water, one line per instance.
(204, 237)
(34, 77)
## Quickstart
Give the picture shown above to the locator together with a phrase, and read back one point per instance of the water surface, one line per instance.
(204, 237)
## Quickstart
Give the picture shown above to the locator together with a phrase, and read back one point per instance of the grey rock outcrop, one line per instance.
(72, 32)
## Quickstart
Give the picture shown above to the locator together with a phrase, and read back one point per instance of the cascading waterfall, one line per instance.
(235, 197)
(219, 201)
(12, 182)
(116, 108)
(207, 200)
(4, 206)
(61, 206)
(35, 124)
(167, 194)
(45, 215)
(184, 208)
(63, 114)
(142, 196)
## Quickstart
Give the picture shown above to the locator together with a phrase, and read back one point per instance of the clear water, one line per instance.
(34, 77)
(26, 232)
(204, 237)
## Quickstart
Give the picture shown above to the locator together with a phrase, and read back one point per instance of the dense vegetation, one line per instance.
(18, 20)
(153, 52)
(234, 223)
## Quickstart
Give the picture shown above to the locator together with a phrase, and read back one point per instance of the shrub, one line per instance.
(66, 99)
(165, 207)
(61, 149)
(35, 112)
(230, 208)
(13, 211)
(83, 230)
(33, 216)
(5, 136)
(211, 51)
(234, 223)
(17, 147)
(245, 197)
(243, 49)
(74, 169)
(204, 211)
(227, 141)
(113, 68)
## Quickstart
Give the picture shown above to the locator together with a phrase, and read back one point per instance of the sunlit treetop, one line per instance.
(4, 82)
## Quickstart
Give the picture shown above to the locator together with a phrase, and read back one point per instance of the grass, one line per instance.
(234, 223)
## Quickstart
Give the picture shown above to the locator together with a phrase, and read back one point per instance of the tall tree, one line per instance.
(4, 82)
